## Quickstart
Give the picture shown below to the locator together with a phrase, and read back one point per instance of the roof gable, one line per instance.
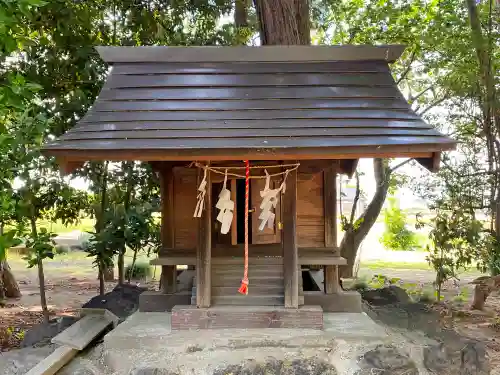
(279, 102)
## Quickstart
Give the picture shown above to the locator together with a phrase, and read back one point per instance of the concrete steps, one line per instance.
(217, 317)
(255, 289)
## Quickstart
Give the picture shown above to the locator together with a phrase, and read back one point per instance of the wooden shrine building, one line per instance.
(319, 108)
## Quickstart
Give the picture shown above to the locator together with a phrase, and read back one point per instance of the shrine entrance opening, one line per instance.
(236, 235)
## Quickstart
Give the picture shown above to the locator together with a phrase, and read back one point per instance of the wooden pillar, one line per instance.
(204, 249)
(168, 280)
(289, 242)
(330, 201)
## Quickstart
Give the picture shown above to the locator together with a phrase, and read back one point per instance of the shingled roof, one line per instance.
(273, 102)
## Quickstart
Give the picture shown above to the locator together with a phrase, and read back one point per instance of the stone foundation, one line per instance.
(243, 317)
(151, 301)
(345, 301)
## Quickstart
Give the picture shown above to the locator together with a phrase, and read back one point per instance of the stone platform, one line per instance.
(146, 340)
(245, 317)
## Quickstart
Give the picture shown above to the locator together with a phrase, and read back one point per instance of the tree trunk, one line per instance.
(283, 22)
(355, 234)
(43, 297)
(102, 288)
(109, 274)
(8, 282)
(129, 168)
(134, 259)
(121, 267)
(287, 22)
(41, 275)
(483, 44)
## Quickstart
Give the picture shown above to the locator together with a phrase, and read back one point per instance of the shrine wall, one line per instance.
(310, 209)
(185, 226)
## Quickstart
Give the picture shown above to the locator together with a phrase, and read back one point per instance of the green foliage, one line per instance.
(396, 235)
(360, 285)
(455, 237)
(61, 249)
(426, 296)
(138, 271)
(41, 246)
(7, 240)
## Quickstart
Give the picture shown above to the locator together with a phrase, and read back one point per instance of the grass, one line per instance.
(380, 264)
(85, 225)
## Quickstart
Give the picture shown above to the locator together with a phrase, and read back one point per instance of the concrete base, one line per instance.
(151, 301)
(245, 317)
(146, 341)
(340, 302)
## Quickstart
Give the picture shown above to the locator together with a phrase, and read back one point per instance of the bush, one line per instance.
(140, 271)
(61, 249)
(360, 285)
(396, 235)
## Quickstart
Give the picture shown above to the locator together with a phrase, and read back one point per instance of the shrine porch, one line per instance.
(233, 254)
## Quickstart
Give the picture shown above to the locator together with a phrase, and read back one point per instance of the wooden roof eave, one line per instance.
(428, 157)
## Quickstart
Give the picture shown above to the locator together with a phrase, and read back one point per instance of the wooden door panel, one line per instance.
(267, 235)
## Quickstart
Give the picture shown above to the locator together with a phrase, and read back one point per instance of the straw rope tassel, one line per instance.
(244, 283)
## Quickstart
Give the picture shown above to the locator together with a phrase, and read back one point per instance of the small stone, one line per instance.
(385, 296)
(474, 360)
(272, 366)
(151, 371)
(386, 360)
(471, 359)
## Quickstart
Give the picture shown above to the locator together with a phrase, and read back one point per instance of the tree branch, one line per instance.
(432, 105)
(399, 165)
(408, 68)
(413, 98)
(356, 200)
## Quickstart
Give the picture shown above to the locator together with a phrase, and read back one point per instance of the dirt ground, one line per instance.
(72, 283)
(69, 284)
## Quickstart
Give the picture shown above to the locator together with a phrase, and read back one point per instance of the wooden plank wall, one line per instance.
(185, 189)
(310, 210)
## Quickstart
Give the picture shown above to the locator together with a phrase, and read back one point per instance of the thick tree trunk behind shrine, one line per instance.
(283, 22)
(287, 22)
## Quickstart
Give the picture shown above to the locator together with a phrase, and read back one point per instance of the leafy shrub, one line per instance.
(141, 270)
(396, 235)
(360, 284)
(61, 249)
(426, 296)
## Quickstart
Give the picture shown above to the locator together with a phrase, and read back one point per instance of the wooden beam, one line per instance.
(168, 281)
(66, 167)
(330, 201)
(186, 155)
(348, 166)
(204, 249)
(432, 164)
(289, 242)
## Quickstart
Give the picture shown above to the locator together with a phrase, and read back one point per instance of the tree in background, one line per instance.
(396, 235)
(450, 63)
(455, 239)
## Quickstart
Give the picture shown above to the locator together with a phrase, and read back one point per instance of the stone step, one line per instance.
(228, 280)
(248, 300)
(246, 317)
(238, 261)
(255, 289)
(254, 272)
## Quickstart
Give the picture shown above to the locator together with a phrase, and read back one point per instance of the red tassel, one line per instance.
(244, 287)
